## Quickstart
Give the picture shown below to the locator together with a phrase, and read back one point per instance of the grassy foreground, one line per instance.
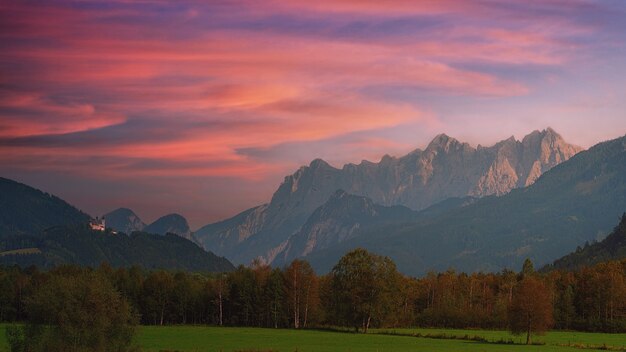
(201, 338)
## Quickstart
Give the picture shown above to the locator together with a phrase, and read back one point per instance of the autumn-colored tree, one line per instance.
(531, 308)
(302, 289)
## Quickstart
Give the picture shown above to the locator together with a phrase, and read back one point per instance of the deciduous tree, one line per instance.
(364, 285)
(531, 308)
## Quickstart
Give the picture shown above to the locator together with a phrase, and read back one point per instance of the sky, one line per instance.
(202, 107)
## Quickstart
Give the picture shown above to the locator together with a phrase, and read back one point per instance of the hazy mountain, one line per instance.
(574, 202)
(24, 209)
(223, 236)
(613, 247)
(171, 223)
(336, 221)
(344, 217)
(124, 220)
(82, 246)
(446, 168)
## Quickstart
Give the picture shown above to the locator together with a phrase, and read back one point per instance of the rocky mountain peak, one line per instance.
(386, 159)
(171, 223)
(123, 211)
(124, 220)
(319, 164)
(442, 141)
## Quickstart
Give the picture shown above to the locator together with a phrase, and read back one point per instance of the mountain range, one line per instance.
(447, 206)
(446, 169)
(37, 228)
(574, 202)
(126, 221)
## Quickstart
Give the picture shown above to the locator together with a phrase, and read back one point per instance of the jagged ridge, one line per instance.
(446, 168)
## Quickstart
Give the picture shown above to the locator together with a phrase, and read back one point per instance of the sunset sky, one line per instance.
(202, 107)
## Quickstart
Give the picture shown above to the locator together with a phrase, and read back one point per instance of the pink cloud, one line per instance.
(180, 95)
(28, 114)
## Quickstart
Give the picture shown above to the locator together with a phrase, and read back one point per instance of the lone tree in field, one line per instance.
(364, 286)
(531, 309)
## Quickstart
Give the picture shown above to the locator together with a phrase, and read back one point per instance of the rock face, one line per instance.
(124, 220)
(338, 220)
(172, 223)
(227, 234)
(447, 168)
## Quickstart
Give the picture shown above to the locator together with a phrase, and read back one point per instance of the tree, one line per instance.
(157, 295)
(528, 268)
(531, 308)
(301, 285)
(275, 291)
(78, 312)
(220, 291)
(365, 286)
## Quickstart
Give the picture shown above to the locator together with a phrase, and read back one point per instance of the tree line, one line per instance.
(362, 291)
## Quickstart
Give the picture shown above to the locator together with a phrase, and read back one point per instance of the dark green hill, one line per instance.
(574, 202)
(37, 228)
(613, 247)
(24, 209)
(80, 245)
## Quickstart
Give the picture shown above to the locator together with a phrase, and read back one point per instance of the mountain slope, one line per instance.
(574, 202)
(613, 247)
(338, 220)
(446, 168)
(171, 223)
(124, 220)
(82, 246)
(24, 209)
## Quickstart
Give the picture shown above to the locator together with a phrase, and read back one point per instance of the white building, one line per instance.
(97, 224)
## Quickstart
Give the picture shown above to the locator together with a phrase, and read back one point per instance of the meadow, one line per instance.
(202, 338)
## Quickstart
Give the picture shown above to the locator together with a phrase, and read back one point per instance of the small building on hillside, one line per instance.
(97, 224)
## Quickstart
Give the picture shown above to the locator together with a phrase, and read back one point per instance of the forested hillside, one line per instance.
(24, 209)
(80, 245)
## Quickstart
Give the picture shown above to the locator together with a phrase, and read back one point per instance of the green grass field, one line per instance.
(200, 338)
